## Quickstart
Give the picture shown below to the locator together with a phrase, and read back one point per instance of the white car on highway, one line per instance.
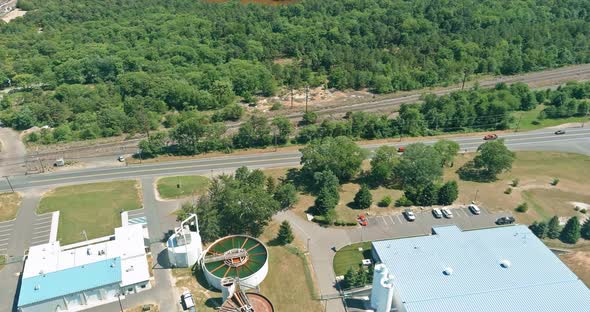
(474, 209)
(447, 213)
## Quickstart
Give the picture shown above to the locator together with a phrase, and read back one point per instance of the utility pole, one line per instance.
(306, 96)
(9, 184)
(518, 123)
(475, 199)
(119, 297)
(464, 78)
(41, 163)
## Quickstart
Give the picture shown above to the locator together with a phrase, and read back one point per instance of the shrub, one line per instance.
(515, 182)
(583, 210)
(285, 235)
(403, 202)
(524, 207)
(508, 191)
(555, 181)
(276, 106)
(576, 208)
(536, 122)
(363, 198)
(385, 202)
(571, 231)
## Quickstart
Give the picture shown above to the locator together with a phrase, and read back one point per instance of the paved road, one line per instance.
(541, 79)
(23, 229)
(576, 140)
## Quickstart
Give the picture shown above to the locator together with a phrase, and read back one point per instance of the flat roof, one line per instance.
(496, 269)
(51, 259)
(60, 283)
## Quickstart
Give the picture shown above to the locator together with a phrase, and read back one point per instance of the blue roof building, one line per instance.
(72, 280)
(488, 270)
(86, 274)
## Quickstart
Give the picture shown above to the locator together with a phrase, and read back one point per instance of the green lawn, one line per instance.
(527, 118)
(189, 185)
(9, 204)
(94, 208)
(350, 257)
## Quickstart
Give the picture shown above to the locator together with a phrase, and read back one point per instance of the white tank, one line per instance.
(242, 257)
(184, 247)
(383, 291)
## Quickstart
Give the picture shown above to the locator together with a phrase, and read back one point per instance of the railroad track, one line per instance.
(552, 77)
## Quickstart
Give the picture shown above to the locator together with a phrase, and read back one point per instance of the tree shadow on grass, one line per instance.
(469, 172)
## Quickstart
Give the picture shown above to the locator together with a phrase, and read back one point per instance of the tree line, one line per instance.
(99, 69)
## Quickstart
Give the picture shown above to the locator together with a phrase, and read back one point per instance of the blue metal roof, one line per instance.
(534, 280)
(60, 283)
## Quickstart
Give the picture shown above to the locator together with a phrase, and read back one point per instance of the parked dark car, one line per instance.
(505, 220)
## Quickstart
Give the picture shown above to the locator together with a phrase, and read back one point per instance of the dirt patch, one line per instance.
(13, 14)
(579, 262)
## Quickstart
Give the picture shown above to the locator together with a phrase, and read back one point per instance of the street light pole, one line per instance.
(119, 297)
(475, 199)
(9, 184)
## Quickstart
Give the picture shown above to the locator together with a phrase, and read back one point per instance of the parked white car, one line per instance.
(447, 213)
(437, 213)
(474, 209)
(409, 215)
(187, 300)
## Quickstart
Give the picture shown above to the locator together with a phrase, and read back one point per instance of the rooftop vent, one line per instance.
(505, 264)
(37, 287)
(448, 271)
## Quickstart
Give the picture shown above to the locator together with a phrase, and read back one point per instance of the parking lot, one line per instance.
(5, 233)
(41, 229)
(396, 225)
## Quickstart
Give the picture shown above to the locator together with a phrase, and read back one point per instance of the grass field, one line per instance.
(94, 208)
(9, 204)
(189, 185)
(535, 170)
(350, 257)
(287, 266)
(527, 118)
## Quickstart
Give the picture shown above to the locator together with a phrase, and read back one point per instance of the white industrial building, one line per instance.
(488, 270)
(87, 274)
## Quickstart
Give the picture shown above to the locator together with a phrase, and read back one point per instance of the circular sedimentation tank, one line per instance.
(256, 302)
(242, 257)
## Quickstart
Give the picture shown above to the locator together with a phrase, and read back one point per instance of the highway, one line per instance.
(541, 79)
(576, 140)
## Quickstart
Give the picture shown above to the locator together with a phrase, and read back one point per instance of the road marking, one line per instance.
(384, 221)
(398, 219)
(43, 222)
(43, 226)
(38, 240)
(188, 166)
(5, 230)
(6, 225)
(4, 239)
(391, 218)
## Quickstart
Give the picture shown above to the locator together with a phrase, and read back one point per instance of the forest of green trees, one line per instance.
(102, 68)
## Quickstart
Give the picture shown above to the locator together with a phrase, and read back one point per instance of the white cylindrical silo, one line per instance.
(382, 292)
